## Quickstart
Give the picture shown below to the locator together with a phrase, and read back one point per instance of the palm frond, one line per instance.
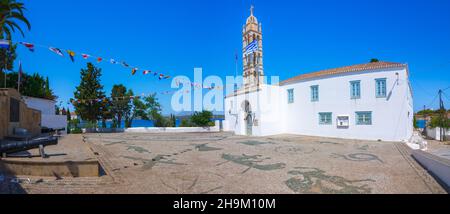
(7, 33)
(13, 25)
(20, 17)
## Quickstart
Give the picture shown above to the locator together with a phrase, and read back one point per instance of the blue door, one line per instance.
(249, 127)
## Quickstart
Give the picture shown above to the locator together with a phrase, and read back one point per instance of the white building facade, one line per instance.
(370, 101)
(49, 118)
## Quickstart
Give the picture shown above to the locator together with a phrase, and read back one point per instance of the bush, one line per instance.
(76, 130)
(437, 122)
(202, 119)
(185, 123)
(160, 121)
(90, 125)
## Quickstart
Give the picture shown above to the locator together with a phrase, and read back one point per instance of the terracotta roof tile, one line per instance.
(346, 69)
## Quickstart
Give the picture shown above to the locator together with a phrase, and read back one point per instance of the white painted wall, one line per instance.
(54, 121)
(266, 108)
(391, 116)
(438, 166)
(215, 128)
(45, 106)
(48, 117)
(435, 133)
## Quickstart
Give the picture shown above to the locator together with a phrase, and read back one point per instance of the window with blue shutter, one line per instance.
(355, 89)
(325, 118)
(290, 95)
(364, 118)
(380, 87)
(314, 93)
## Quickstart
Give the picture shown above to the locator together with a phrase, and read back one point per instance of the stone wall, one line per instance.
(30, 119)
(4, 113)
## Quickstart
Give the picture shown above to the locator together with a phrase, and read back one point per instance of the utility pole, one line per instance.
(442, 117)
(424, 115)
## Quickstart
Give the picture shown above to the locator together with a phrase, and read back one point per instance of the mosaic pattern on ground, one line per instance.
(225, 163)
(314, 180)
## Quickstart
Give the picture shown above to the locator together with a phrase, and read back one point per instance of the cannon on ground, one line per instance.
(22, 141)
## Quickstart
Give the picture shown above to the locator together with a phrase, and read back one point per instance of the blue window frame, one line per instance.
(380, 87)
(290, 95)
(363, 118)
(314, 93)
(355, 89)
(325, 118)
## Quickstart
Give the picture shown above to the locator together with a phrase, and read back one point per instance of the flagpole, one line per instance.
(6, 62)
(236, 71)
(19, 76)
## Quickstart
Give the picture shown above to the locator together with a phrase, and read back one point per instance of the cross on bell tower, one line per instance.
(253, 62)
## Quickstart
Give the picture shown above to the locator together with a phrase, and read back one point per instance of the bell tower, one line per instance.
(252, 60)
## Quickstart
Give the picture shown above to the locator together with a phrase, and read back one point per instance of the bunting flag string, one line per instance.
(199, 85)
(110, 99)
(104, 99)
(72, 54)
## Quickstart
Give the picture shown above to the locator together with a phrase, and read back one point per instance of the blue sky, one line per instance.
(174, 36)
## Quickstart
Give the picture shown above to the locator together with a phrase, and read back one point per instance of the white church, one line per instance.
(370, 101)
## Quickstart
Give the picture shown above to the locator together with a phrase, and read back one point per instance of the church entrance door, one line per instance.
(249, 127)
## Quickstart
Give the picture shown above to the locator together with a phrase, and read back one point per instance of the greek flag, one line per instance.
(4, 44)
(252, 47)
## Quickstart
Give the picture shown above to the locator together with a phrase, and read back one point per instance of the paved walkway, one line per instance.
(439, 148)
(225, 163)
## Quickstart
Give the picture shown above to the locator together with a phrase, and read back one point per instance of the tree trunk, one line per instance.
(119, 121)
(103, 123)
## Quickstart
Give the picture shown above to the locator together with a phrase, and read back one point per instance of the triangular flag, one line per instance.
(99, 59)
(85, 56)
(71, 55)
(56, 51)
(125, 64)
(145, 72)
(28, 45)
(113, 61)
(133, 71)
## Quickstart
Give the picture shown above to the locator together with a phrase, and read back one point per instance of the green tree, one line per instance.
(202, 119)
(106, 113)
(138, 110)
(68, 114)
(7, 57)
(120, 104)
(90, 94)
(11, 14)
(374, 60)
(173, 120)
(31, 85)
(185, 123)
(152, 105)
(440, 120)
(160, 121)
(426, 111)
(153, 111)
